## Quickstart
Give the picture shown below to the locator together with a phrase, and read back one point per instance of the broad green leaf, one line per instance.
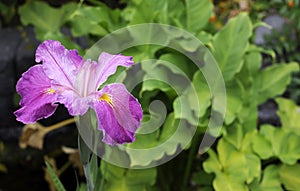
(44, 17)
(163, 141)
(234, 135)
(234, 162)
(287, 151)
(290, 176)
(120, 179)
(230, 45)
(273, 80)
(212, 164)
(198, 13)
(270, 180)
(195, 100)
(224, 182)
(164, 76)
(149, 12)
(232, 167)
(249, 71)
(234, 96)
(181, 62)
(262, 146)
(59, 186)
(253, 168)
(98, 20)
(176, 13)
(289, 114)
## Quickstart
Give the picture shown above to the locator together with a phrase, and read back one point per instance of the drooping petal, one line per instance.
(119, 114)
(60, 65)
(107, 65)
(113, 132)
(37, 96)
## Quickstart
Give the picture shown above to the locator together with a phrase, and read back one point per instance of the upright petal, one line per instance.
(60, 65)
(37, 96)
(107, 65)
(119, 114)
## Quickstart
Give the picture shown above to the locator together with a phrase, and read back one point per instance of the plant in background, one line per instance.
(244, 156)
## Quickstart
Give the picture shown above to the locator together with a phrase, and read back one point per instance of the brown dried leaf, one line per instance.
(74, 158)
(32, 135)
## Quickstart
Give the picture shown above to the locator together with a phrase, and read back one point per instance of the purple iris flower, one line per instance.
(64, 77)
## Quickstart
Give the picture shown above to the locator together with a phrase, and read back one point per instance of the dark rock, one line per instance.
(10, 39)
(267, 113)
(275, 21)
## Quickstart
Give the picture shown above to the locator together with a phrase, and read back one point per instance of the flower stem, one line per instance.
(194, 147)
(60, 124)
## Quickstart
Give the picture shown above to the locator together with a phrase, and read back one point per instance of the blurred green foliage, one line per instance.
(246, 156)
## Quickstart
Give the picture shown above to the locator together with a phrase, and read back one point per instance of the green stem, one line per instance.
(193, 150)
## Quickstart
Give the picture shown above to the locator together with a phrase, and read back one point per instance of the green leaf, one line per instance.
(262, 146)
(290, 176)
(230, 45)
(59, 186)
(212, 164)
(98, 20)
(198, 13)
(234, 135)
(127, 179)
(149, 12)
(270, 180)
(224, 182)
(195, 100)
(289, 114)
(181, 62)
(273, 80)
(287, 151)
(163, 141)
(44, 17)
(233, 162)
(164, 76)
(234, 101)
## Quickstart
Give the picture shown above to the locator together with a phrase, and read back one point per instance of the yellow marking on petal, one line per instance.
(106, 97)
(50, 91)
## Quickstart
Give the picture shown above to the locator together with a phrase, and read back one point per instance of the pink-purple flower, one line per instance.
(64, 77)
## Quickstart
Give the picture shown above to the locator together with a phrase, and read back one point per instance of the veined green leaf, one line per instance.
(273, 80)
(44, 17)
(230, 45)
(290, 176)
(287, 151)
(59, 186)
(198, 13)
(162, 141)
(289, 114)
(270, 180)
(120, 179)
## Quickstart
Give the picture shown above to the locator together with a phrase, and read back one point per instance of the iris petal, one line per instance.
(107, 65)
(119, 114)
(37, 96)
(60, 64)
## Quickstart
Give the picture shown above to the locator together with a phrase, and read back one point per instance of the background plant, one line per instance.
(247, 155)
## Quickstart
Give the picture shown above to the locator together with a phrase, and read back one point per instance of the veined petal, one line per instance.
(37, 96)
(107, 65)
(119, 114)
(75, 104)
(113, 132)
(60, 65)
